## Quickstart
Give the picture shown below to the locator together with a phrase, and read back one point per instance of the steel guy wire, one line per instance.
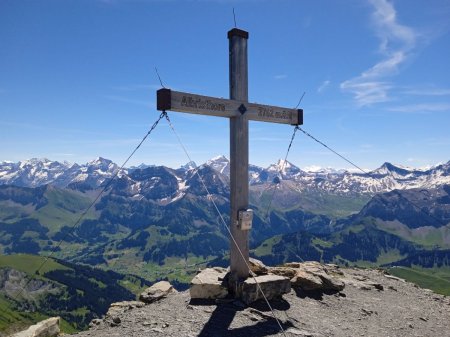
(300, 100)
(369, 174)
(159, 78)
(285, 158)
(225, 225)
(336, 153)
(81, 217)
(281, 170)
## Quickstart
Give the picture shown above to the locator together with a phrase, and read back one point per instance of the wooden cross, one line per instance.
(239, 111)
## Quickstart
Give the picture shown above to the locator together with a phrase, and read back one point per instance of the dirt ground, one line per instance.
(372, 304)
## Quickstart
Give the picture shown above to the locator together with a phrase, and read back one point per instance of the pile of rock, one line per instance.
(211, 283)
(312, 276)
(152, 294)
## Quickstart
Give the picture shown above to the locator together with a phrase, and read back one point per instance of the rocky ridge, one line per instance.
(372, 303)
(141, 180)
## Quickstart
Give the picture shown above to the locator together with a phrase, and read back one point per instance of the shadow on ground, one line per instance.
(219, 324)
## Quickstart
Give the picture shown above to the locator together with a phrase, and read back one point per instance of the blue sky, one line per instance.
(77, 78)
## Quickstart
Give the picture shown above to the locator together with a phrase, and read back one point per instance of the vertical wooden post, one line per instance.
(238, 154)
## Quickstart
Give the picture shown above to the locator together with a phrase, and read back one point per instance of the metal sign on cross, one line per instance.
(239, 111)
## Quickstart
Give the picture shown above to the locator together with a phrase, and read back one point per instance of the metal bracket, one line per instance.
(245, 219)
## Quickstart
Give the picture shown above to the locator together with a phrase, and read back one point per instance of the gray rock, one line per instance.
(95, 322)
(272, 286)
(283, 271)
(394, 278)
(156, 292)
(330, 282)
(312, 275)
(46, 328)
(306, 281)
(257, 267)
(297, 332)
(120, 307)
(209, 284)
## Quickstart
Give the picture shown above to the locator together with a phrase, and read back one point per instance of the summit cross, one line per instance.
(239, 111)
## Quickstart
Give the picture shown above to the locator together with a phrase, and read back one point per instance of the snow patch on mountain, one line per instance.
(151, 181)
(220, 164)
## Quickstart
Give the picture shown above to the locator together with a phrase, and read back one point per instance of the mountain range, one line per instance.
(157, 222)
(155, 216)
(38, 172)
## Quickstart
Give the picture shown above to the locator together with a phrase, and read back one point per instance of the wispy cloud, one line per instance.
(280, 77)
(367, 92)
(427, 91)
(421, 108)
(396, 43)
(323, 86)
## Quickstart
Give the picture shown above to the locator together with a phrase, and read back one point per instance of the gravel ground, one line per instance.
(400, 309)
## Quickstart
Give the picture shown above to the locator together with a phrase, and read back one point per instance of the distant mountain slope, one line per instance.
(76, 293)
(414, 208)
(35, 172)
(388, 230)
(155, 221)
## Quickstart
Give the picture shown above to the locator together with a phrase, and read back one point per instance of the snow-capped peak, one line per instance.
(189, 166)
(388, 168)
(283, 165)
(324, 170)
(218, 158)
(220, 164)
(36, 172)
(99, 161)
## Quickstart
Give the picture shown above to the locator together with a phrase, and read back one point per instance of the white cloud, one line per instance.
(421, 108)
(396, 42)
(427, 91)
(323, 86)
(367, 92)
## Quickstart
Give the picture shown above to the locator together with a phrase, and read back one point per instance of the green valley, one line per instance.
(76, 293)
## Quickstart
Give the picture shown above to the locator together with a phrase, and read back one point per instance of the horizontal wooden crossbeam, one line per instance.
(205, 105)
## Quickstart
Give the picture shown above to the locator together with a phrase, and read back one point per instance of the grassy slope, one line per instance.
(11, 319)
(437, 279)
(428, 237)
(29, 263)
(334, 206)
(64, 208)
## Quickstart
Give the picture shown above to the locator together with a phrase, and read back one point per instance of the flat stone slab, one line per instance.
(46, 328)
(272, 285)
(156, 292)
(209, 284)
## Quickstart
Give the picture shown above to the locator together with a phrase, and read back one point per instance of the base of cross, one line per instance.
(216, 283)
